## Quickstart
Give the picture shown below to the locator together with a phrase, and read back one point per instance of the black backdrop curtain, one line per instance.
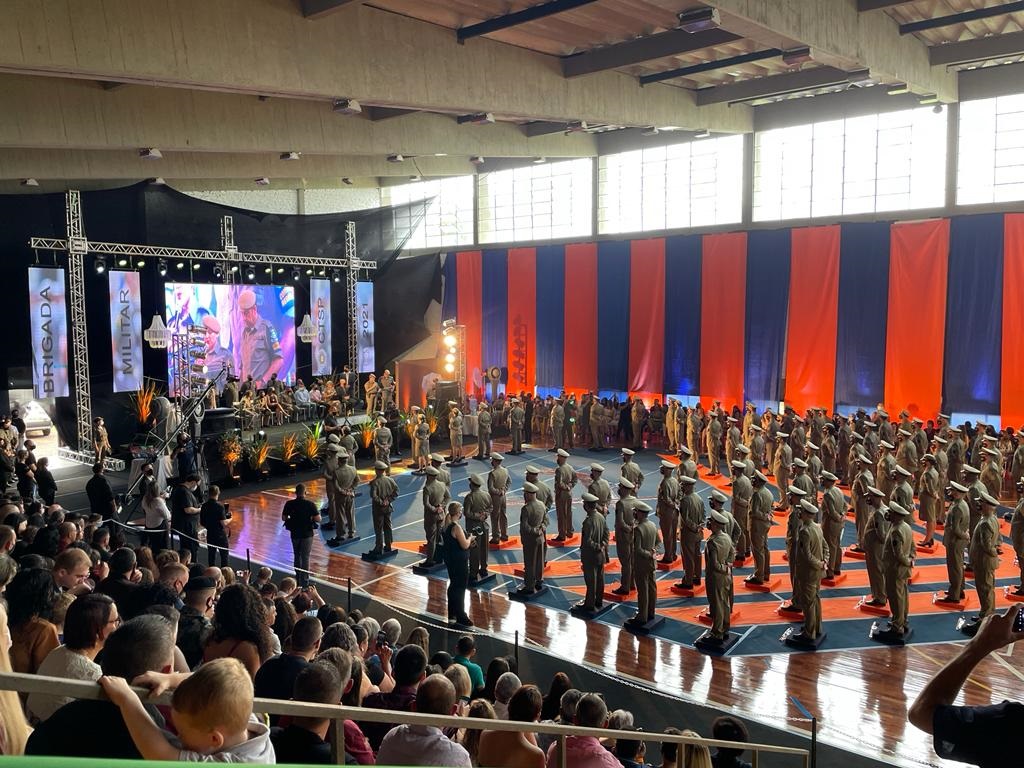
(157, 215)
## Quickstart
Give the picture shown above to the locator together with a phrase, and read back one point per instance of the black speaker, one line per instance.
(218, 420)
(448, 390)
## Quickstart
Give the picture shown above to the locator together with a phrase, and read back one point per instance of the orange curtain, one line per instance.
(469, 283)
(723, 314)
(813, 318)
(915, 337)
(1012, 390)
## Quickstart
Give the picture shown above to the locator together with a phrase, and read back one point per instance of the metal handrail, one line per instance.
(337, 713)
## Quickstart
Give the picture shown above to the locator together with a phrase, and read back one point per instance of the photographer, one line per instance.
(976, 735)
(300, 517)
(455, 546)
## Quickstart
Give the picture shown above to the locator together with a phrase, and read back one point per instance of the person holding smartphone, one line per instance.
(456, 545)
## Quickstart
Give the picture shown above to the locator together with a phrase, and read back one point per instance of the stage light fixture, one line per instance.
(234, 268)
(122, 262)
(268, 271)
(291, 155)
(100, 265)
(261, 433)
(161, 267)
(280, 270)
(150, 153)
(449, 358)
(309, 271)
(29, 183)
(218, 272)
(296, 274)
(336, 275)
(449, 368)
(180, 265)
(250, 272)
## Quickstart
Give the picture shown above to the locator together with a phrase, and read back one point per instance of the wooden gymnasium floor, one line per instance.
(858, 690)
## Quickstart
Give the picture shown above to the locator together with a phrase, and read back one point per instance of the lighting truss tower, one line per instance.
(352, 277)
(77, 247)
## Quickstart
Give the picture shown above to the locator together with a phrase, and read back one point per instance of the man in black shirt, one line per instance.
(194, 624)
(212, 515)
(304, 741)
(95, 728)
(276, 678)
(300, 517)
(101, 495)
(981, 736)
(185, 515)
(19, 424)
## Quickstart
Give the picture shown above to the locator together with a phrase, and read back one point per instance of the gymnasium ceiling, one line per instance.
(224, 89)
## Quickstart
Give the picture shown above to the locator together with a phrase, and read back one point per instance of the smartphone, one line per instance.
(1018, 622)
(382, 639)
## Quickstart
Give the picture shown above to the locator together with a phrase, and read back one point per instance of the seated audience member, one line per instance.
(31, 597)
(271, 612)
(585, 751)
(513, 749)
(360, 687)
(124, 578)
(465, 650)
(96, 728)
(410, 663)
(8, 538)
(670, 750)
(470, 737)
(441, 660)
(504, 689)
(727, 728)
(560, 683)
(497, 667)
(305, 739)
(463, 687)
(14, 730)
(425, 744)
(276, 678)
(566, 713)
(618, 720)
(631, 752)
(212, 714)
(90, 620)
(419, 636)
(695, 755)
(70, 570)
(356, 745)
(979, 734)
(194, 625)
(240, 629)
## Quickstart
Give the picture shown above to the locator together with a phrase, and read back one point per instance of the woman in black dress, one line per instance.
(456, 560)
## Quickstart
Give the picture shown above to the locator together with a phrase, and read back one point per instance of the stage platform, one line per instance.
(858, 690)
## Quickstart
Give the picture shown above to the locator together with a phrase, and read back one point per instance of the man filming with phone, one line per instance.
(978, 735)
(301, 517)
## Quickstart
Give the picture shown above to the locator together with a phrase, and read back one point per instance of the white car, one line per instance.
(37, 420)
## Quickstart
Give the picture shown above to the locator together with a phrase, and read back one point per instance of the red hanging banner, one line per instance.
(647, 318)
(579, 366)
(1012, 389)
(723, 311)
(469, 277)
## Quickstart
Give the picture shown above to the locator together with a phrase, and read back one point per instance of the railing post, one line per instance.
(755, 757)
(561, 749)
(516, 653)
(349, 609)
(814, 742)
(336, 736)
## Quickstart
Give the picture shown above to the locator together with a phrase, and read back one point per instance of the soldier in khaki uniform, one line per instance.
(742, 493)
(749, 420)
(691, 531)
(859, 492)
(693, 427)
(719, 556)
(532, 531)
(346, 481)
(557, 424)
(898, 565)
(783, 462)
(455, 432)
(955, 453)
(383, 492)
(630, 470)
(875, 533)
(544, 494)
(760, 524)
(600, 488)
(803, 481)
(565, 481)
(906, 451)
(672, 425)
(955, 538)
(829, 449)
(516, 419)
(593, 553)
(1016, 535)
(476, 505)
(498, 483)
(687, 466)
(637, 415)
(733, 438)
(929, 494)
(902, 492)
(382, 438)
(624, 524)
(668, 511)
(985, 555)
(833, 519)
(992, 472)
(598, 424)
(757, 446)
(885, 468)
(714, 444)
(437, 462)
(330, 466)
(483, 432)
(435, 499)
(645, 544)
(794, 497)
(743, 456)
(811, 559)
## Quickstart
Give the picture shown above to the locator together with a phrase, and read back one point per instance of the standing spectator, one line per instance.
(591, 712)
(213, 515)
(185, 515)
(465, 650)
(276, 678)
(194, 623)
(514, 749)
(123, 581)
(18, 424)
(90, 620)
(31, 597)
(101, 495)
(158, 517)
(426, 744)
(44, 480)
(456, 547)
(14, 731)
(504, 689)
(410, 663)
(300, 517)
(728, 728)
(240, 628)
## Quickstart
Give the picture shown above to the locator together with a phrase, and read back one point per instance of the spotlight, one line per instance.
(449, 368)
(100, 265)
(140, 263)
(322, 273)
(180, 265)
(538, 160)
(280, 270)
(296, 274)
(218, 272)
(268, 271)
(704, 134)
(161, 267)
(122, 262)
(346, 107)
(309, 271)
(336, 275)
(449, 358)
(396, 159)
(699, 19)
(250, 272)
(261, 433)
(938, 109)
(234, 268)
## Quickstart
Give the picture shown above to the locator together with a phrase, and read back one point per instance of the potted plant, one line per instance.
(142, 404)
(365, 438)
(311, 445)
(288, 461)
(258, 451)
(230, 447)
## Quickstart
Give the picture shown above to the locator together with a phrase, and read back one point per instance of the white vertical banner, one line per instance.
(320, 312)
(126, 330)
(364, 320)
(49, 331)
